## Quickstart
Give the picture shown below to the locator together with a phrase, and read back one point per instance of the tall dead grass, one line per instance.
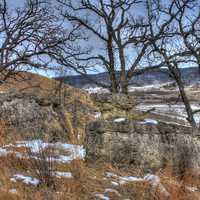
(88, 179)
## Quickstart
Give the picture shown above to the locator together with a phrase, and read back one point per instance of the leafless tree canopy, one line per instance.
(121, 40)
(174, 33)
(27, 33)
(115, 40)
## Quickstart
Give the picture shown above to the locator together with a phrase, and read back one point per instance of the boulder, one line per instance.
(148, 144)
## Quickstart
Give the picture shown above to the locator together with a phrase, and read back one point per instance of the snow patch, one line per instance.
(13, 191)
(192, 189)
(149, 121)
(148, 87)
(102, 196)
(62, 174)
(3, 152)
(176, 111)
(94, 90)
(114, 183)
(131, 179)
(25, 179)
(110, 190)
(155, 182)
(122, 119)
(37, 146)
(150, 178)
(97, 115)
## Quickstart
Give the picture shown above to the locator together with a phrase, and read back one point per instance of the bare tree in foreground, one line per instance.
(27, 34)
(115, 40)
(188, 24)
(170, 46)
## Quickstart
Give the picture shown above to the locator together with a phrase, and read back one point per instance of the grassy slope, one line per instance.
(42, 86)
(72, 99)
(89, 178)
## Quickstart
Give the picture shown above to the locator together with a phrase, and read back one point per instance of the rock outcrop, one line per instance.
(28, 114)
(148, 144)
(117, 105)
(32, 105)
(34, 116)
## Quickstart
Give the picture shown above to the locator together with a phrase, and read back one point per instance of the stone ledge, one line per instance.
(148, 146)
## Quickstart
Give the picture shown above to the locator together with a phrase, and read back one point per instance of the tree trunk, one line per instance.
(123, 78)
(124, 87)
(111, 67)
(177, 76)
(198, 60)
(114, 85)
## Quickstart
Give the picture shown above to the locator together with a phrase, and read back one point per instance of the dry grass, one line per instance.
(31, 83)
(74, 105)
(88, 178)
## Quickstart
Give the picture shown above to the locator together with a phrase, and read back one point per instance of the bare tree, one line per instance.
(27, 34)
(114, 40)
(189, 31)
(167, 46)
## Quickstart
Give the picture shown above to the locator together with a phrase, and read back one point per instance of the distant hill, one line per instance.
(189, 75)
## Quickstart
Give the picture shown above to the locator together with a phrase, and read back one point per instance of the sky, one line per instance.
(93, 40)
(13, 4)
(16, 3)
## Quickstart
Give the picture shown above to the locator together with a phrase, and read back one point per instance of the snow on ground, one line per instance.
(122, 119)
(98, 115)
(192, 189)
(145, 121)
(148, 87)
(107, 191)
(100, 90)
(13, 191)
(150, 178)
(149, 121)
(3, 152)
(35, 149)
(114, 183)
(62, 174)
(102, 196)
(25, 179)
(34, 181)
(123, 179)
(176, 111)
(37, 146)
(110, 190)
(155, 182)
(77, 151)
(93, 90)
